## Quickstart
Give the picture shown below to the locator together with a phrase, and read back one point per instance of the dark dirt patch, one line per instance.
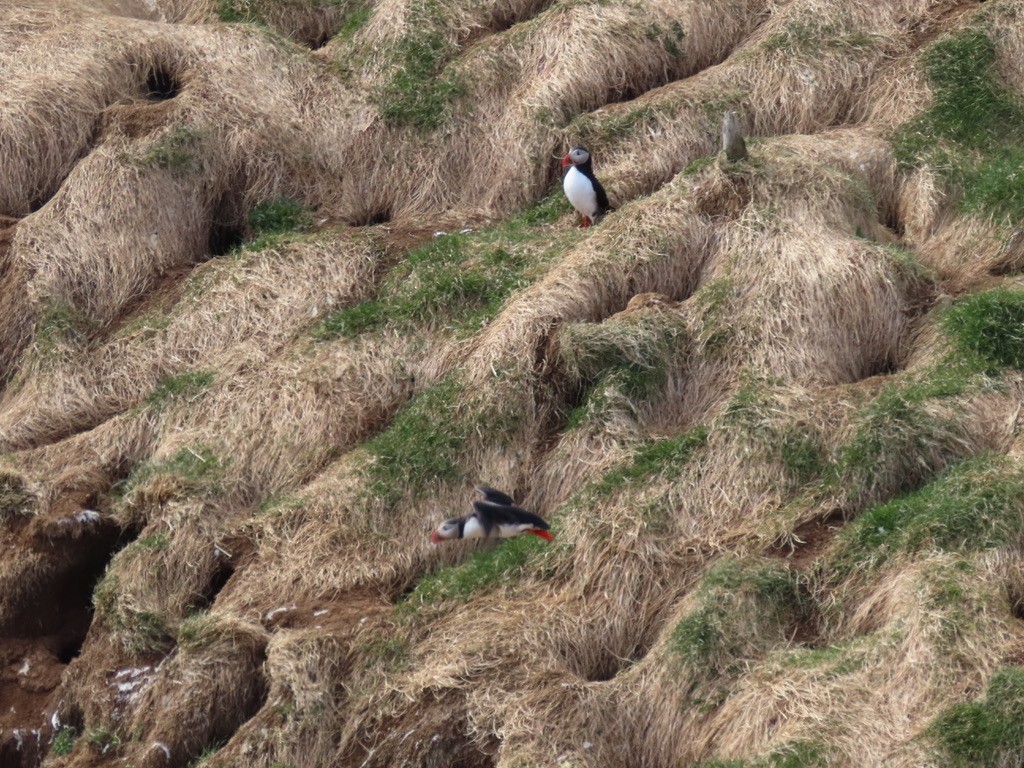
(157, 300)
(29, 672)
(808, 541)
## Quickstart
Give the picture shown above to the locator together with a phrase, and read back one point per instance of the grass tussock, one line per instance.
(741, 609)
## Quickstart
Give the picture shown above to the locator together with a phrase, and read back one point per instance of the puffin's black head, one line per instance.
(449, 529)
(576, 156)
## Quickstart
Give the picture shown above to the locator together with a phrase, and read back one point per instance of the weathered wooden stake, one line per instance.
(734, 146)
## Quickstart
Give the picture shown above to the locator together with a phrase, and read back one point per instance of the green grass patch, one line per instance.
(987, 733)
(184, 387)
(800, 38)
(619, 362)
(898, 442)
(485, 568)
(654, 457)
(798, 754)
(59, 324)
(196, 470)
(239, 12)
(391, 652)
(64, 741)
(547, 210)
(989, 325)
(197, 630)
(445, 284)
(421, 89)
(425, 443)
(671, 37)
(741, 610)
(802, 455)
(282, 214)
(156, 542)
(139, 631)
(713, 302)
(15, 499)
(975, 505)
(103, 740)
(973, 130)
(602, 129)
(176, 150)
(354, 21)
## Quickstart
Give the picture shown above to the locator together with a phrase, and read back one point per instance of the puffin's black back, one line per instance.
(496, 496)
(587, 169)
(491, 514)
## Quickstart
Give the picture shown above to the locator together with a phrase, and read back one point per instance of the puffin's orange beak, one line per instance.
(566, 162)
(434, 538)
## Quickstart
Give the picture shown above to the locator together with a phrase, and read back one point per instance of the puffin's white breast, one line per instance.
(580, 192)
(472, 529)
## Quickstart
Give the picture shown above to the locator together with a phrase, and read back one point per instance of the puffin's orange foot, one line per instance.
(586, 222)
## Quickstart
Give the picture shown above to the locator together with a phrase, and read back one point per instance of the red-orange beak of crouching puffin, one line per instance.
(435, 538)
(566, 161)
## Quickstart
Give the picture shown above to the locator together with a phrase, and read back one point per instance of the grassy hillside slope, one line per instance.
(282, 280)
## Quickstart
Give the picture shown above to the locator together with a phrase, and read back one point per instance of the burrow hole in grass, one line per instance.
(227, 228)
(592, 660)
(219, 578)
(371, 217)
(320, 40)
(161, 84)
(62, 608)
(1015, 594)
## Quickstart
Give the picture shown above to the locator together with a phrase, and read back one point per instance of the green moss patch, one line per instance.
(177, 150)
(485, 568)
(182, 387)
(898, 441)
(282, 214)
(977, 504)
(812, 38)
(195, 472)
(986, 733)
(454, 284)
(422, 85)
(742, 609)
(663, 456)
(426, 442)
(619, 362)
(989, 325)
(974, 129)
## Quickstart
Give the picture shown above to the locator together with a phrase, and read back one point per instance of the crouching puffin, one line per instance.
(581, 186)
(496, 517)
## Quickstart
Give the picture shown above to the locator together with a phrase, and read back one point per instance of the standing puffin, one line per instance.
(496, 517)
(581, 186)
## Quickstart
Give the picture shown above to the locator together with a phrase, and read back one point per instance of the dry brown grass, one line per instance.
(707, 394)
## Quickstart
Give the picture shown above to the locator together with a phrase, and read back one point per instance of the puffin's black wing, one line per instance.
(602, 197)
(490, 514)
(495, 496)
